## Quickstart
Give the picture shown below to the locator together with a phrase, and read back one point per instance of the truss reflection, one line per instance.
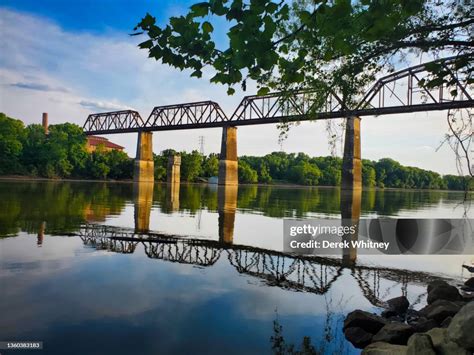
(297, 273)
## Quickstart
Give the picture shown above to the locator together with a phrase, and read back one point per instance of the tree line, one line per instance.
(62, 153)
(281, 167)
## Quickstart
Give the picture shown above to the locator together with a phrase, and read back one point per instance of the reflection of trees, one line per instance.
(298, 202)
(295, 273)
(278, 202)
(390, 202)
(64, 206)
(192, 198)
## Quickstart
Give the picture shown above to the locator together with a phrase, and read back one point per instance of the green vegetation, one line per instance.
(65, 206)
(305, 170)
(60, 154)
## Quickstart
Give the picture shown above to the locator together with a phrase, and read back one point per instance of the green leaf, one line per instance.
(305, 16)
(271, 7)
(217, 7)
(435, 82)
(434, 67)
(154, 31)
(200, 9)
(263, 91)
(207, 27)
(230, 91)
(197, 73)
(147, 44)
(147, 21)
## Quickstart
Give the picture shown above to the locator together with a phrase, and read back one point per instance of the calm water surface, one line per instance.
(96, 268)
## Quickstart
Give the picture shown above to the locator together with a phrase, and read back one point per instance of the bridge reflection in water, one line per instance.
(291, 272)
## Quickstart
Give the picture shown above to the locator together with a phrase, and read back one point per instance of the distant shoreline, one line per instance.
(25, 178)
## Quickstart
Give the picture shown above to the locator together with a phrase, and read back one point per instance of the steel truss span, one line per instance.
(399, 92)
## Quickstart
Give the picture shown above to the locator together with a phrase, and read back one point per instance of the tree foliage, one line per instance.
(11, 143)
(247, 175)
(326, 171)
(318, 44)
(211, 165)
(61, 153)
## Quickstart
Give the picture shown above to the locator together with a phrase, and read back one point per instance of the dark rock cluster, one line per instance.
(444, 326)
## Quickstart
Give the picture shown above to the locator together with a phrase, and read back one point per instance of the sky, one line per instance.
(73, 58)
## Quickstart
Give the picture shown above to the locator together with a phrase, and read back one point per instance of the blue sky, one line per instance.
(72, 58)
(99, 16)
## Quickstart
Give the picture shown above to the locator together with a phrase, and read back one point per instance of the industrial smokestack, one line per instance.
(45, 122)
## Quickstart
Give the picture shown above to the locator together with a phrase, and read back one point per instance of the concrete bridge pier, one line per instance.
(143, 200)
(350, 216)
(228, 166)
(174, 169)
(39, 240)
(351, 161)
(227, 206)
(351, 187)
(144, 169)
(172, 199)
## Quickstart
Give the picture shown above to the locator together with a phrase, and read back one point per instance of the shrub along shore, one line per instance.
(62, 153)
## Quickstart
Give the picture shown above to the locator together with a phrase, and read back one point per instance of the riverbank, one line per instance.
(280, 184)
(36, 178)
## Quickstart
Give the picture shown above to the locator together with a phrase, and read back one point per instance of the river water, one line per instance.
(97, 268)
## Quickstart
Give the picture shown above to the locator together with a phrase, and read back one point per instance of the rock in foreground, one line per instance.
(381, 348)
(398, 304)
(440, 310)
(358, 337)
(442, 344)
(443, 292)
(369, 322)
(461, 328)
(470, 283)
(394, 333)
(420, 344)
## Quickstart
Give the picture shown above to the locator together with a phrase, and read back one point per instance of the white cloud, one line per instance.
(101, 105)
(38, 86)
(70, 75)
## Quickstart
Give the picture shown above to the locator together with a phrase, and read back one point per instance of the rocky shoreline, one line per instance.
(444, 326)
